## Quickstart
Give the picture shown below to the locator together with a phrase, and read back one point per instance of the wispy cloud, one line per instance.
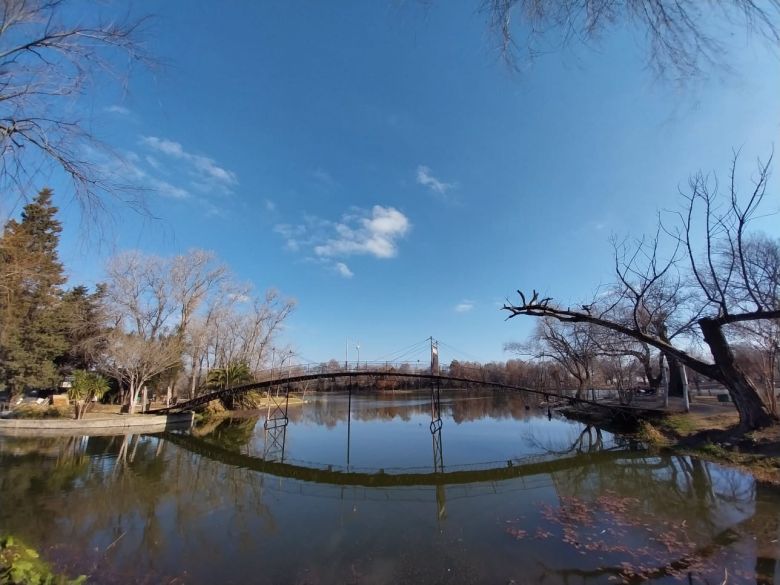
(270, 206)
(376, 235)
(117, 109)
(425, 178)
(295, 236)
(375, 232)
(202, 169)
(343, 270)
(131, 170)
(464, 306)
(324, 177)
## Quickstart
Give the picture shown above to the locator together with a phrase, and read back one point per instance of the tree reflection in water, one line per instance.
(204, 510)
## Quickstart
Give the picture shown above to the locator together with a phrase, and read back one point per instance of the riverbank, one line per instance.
(713, 435)
(709, 431)
(259, 405)
(95, 424)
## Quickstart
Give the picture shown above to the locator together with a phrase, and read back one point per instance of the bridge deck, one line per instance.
(617, 410)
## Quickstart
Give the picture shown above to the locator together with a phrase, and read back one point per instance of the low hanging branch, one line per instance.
(729, 278)
(543, 308)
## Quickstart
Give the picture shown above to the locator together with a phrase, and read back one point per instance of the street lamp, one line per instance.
(357, 347)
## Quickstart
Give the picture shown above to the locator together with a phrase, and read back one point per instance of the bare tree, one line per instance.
(683, 37)
(727, 294)
(760, 340)
(570, 345)
(156, 301)
(611, 345)
(134, 360)
(49, 56)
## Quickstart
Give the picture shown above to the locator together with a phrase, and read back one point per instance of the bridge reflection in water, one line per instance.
(214, 507)
(277, 421)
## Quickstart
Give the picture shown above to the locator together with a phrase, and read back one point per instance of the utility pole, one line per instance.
(346, 353)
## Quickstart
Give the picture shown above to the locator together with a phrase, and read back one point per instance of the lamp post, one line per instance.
(357, 347)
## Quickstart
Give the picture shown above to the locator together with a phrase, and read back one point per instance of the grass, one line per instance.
(651, 436)
(711, 450)
(40, 411)
(680, 424)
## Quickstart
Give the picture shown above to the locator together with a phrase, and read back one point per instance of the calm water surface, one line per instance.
(500, 494)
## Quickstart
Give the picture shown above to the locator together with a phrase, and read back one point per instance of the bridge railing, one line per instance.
(291, 371)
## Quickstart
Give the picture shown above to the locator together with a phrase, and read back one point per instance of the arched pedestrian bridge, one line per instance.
(285, 381)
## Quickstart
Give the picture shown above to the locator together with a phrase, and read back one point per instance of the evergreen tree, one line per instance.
(83, 319)
(31, 322)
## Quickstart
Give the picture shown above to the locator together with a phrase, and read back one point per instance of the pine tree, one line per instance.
(31, 322)
(83, 321)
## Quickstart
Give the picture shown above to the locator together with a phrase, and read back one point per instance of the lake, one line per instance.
(364, 489)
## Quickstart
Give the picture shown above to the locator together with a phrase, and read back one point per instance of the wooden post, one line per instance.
(686, 399)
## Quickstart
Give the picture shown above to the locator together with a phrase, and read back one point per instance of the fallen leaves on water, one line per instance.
(608, 525)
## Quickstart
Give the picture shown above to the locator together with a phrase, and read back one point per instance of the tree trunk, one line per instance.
(653, 380)
(582, 387)
(753, 413)
(133, 397)
(675, 377)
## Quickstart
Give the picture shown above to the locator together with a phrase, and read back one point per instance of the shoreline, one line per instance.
(99, 425)
(708, 432)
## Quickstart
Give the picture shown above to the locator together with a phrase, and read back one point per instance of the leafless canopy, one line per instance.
(50, 54)
(714, 274)
(684, 37)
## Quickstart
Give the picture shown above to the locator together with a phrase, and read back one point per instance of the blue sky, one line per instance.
(379, 163)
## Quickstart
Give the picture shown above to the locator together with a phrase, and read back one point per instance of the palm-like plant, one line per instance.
(232, 374)
(86, 387)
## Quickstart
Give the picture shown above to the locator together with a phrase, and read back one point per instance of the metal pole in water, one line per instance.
(349, 421)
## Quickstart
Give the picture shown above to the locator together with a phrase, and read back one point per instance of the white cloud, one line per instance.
(202, 167)
(464, 306)
(376, 234)
(294, 235)
(426, 178)
(130, 171)
(167, 189)
(343, 270)
(117, 109)
(269, 205)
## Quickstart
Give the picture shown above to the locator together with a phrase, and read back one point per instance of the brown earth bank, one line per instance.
(709, 431)
(714, 434)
